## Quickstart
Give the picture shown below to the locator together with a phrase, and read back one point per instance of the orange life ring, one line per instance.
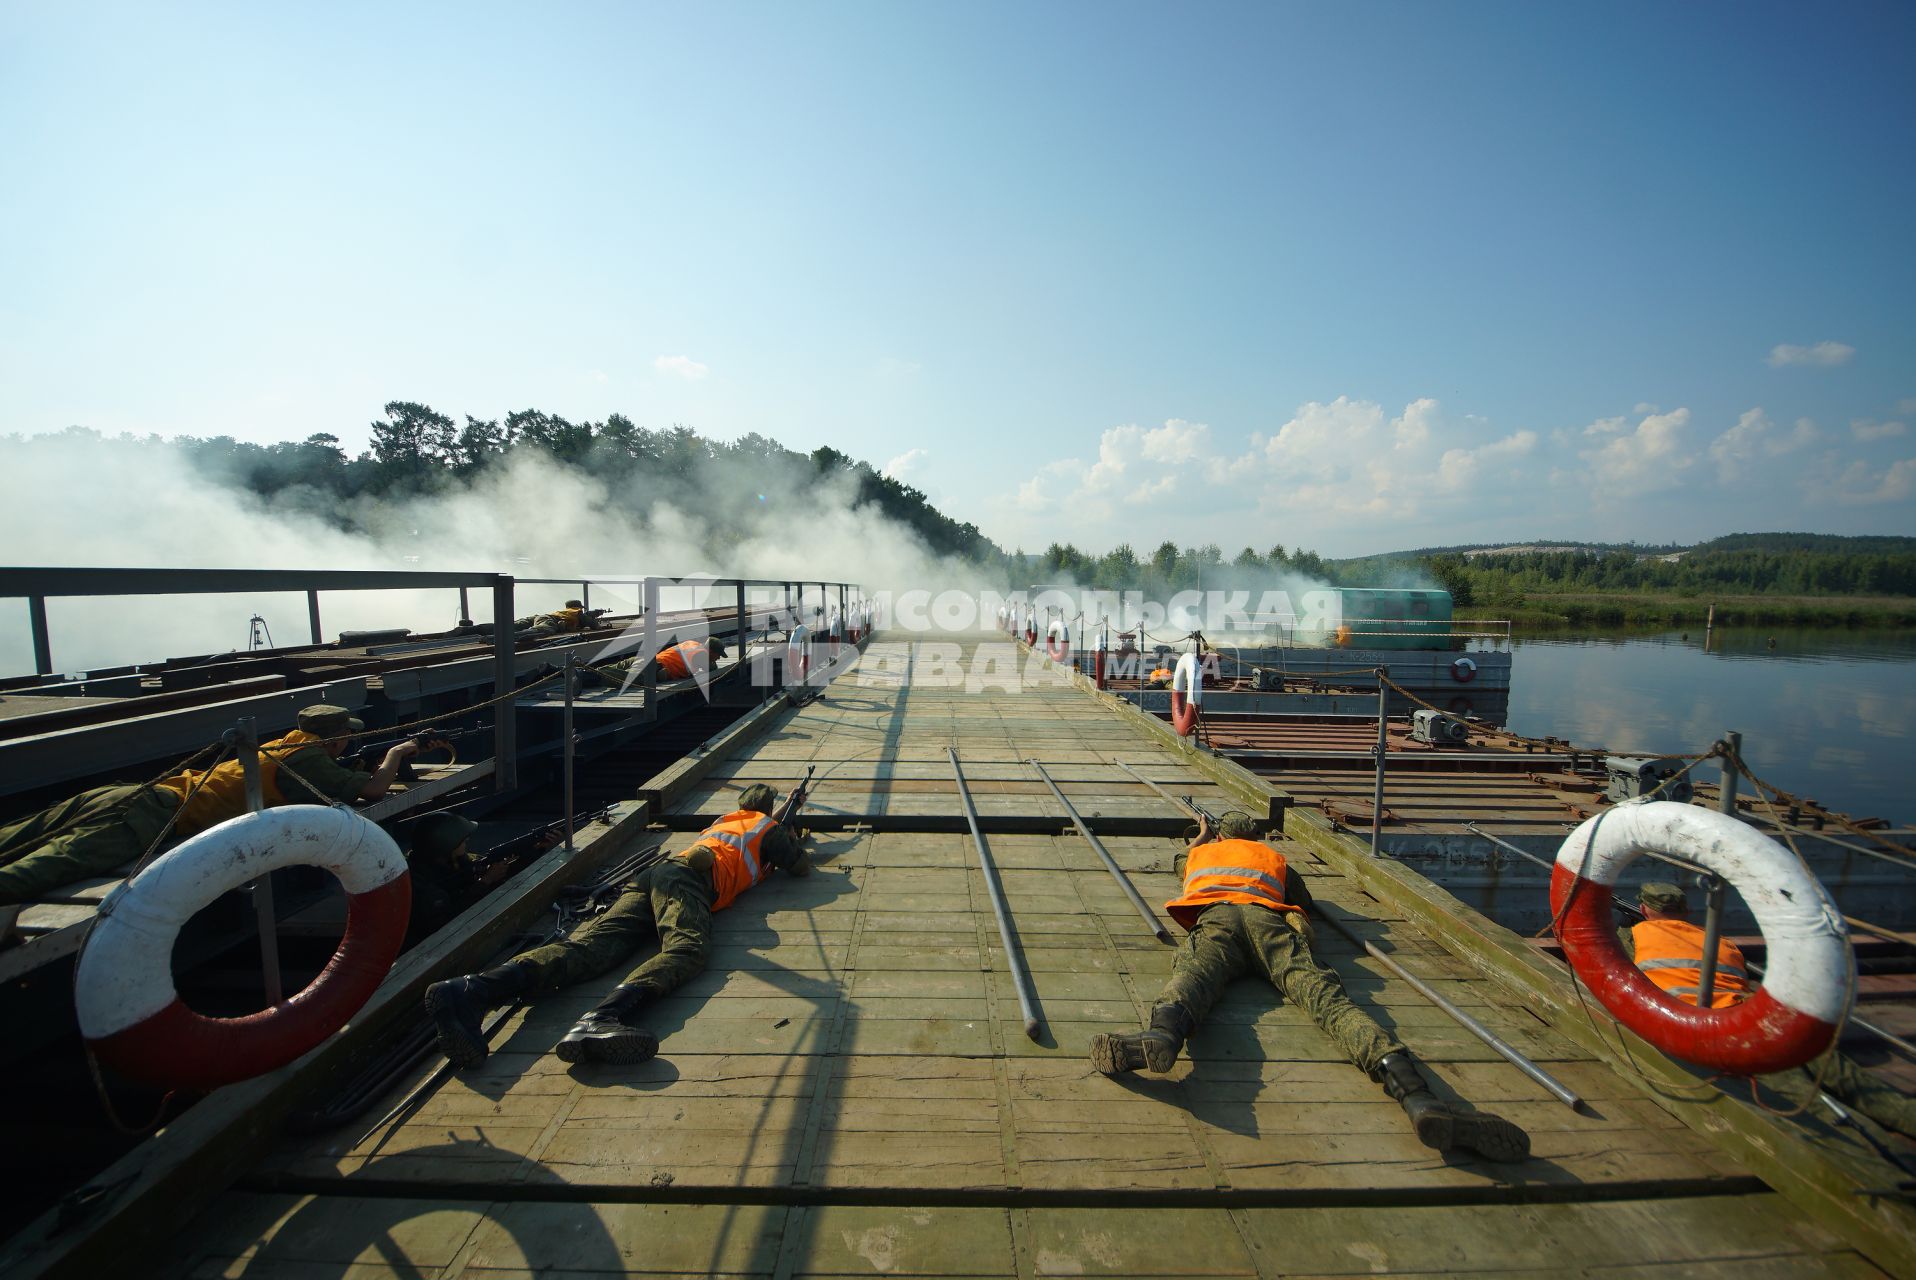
(1185, 699)
(1463, 670)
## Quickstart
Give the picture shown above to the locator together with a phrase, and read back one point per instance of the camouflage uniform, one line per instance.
(1232, 939)
(672, 899)
(99, 831)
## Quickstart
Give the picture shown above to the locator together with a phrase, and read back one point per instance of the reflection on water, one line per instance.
(1830, 715)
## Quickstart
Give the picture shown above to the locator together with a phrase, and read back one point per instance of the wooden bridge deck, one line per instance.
(848, 1089)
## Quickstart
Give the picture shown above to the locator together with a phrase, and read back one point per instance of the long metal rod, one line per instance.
(1383, 754)
(1027, 999)
(1464, 1020)
(505, 715)
(312, 617)
(1110, 863)
(264, 912)
(571, 741)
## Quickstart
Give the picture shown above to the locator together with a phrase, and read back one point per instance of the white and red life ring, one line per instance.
(1057, 641)
(1806, 991)
(798, 655)
(1463, 670)
(1187, 691)
(129, 1012)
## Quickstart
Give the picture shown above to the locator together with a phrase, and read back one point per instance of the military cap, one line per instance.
(328, 721)
(1663, 896)
(575, 604)
(758, 797)
(1237, 826)
(437, 835)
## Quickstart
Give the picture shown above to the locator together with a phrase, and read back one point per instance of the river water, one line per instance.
(1829, 715)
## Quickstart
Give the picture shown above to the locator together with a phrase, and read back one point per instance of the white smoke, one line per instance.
(79, 500)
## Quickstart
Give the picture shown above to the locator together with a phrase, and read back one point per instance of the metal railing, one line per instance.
(38, 585)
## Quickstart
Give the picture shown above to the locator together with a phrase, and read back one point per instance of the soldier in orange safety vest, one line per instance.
(673, 899)
(1669, 950)
(103, 829)
(1244, 907)
(675, 662)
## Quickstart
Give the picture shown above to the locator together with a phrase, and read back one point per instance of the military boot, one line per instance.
(604, 1035)
(1440, 1126)
(457, 1006)
(1154, 1049)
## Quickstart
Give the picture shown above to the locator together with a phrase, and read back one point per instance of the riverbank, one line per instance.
(1650, 609)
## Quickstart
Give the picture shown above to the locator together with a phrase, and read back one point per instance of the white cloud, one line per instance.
(1860, 484)
(684, 366)
(1458, 468)
(1869, 429)
(598, 375)
(1753, 436)
(1642, 460)
(901, 466)
(1823, 355)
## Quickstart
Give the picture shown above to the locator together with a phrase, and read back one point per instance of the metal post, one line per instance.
(42, 641)
(1383, 752)
(1027, 1000)
(505, 722)
(739, 637)
(649, 603)
(246, 744)
(1713, 886)
(1110, 863)
(585, 596)
(571, 741)
(312, 616)
(465, 609)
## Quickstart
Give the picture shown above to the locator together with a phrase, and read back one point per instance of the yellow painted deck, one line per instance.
(848, 1089)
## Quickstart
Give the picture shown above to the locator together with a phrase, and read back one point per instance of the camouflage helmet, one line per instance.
(438, 835)
(1661, 895)
(758, 797)
(1237, 825)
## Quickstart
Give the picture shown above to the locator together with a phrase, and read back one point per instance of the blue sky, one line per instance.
(1354, 277)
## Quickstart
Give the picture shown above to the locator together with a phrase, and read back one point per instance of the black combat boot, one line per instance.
(1441, 1127)
(457, 1005)
(1154, 1049)
(604, 1035)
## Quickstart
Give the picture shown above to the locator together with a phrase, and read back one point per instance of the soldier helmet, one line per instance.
(327, 721)
(1237, 826)
(438, 835)
(1661, 895)
(758, 797)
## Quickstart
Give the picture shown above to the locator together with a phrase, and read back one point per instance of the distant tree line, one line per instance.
(416, 451)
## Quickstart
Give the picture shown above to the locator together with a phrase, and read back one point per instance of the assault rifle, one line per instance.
(369, 755)
(797, 798)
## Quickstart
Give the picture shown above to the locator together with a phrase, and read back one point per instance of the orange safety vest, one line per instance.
(222, 789)
(675, 663)
(734, 841)
(1247, 871)
(1670, 952)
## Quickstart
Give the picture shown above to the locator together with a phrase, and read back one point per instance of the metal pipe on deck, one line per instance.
(1020, 978)
(1464, 1020)
(1110, 863)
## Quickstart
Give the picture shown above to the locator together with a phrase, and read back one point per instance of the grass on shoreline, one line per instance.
(1658, 609)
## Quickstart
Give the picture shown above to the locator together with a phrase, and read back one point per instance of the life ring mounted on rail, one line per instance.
(1463, 670)
(1187, 692)
(131, 1015)
(1057, 641)
(1807, 988)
